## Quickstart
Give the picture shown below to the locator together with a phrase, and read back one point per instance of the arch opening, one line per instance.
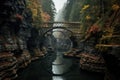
(58, 38)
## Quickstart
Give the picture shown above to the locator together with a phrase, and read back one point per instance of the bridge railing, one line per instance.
(73, 26)
(58, 24)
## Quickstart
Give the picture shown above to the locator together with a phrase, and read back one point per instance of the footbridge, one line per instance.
(72, 27)
(67, 34)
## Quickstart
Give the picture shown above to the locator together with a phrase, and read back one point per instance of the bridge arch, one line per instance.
(51, 30)
(71, 28)
(62, 42)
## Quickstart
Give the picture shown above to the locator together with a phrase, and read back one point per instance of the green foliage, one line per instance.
(49, 8)
(91, 11)
(75, 14)
(68, 9)
(35, 7)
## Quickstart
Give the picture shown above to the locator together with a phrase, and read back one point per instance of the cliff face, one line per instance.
(16, 37)
(15, 24)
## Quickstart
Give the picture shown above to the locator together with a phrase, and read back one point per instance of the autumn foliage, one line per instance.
(19, 17)
(46, 17)
(93, 29)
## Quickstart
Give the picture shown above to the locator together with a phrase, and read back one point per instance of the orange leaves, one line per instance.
(18, 16)
(115, 7)
(46, 17)
(93, 29)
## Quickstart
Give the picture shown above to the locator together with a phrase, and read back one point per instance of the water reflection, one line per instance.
(57, 78)
(61, 65)
(57, 42)
(55, 64)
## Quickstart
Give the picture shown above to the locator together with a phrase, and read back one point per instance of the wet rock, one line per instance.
(23, 58)
(112, 60)
(92, 62)
(15, 28)
(8, 65)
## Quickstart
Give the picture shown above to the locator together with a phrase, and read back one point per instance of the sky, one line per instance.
(59, 4)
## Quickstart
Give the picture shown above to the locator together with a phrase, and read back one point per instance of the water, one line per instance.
(60, 68)
(61, 43)
(61, 65)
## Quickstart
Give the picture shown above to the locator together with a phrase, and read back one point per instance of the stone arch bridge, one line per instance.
(72, 27)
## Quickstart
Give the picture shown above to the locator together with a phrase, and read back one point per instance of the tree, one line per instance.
(36, 9)
(49, 8)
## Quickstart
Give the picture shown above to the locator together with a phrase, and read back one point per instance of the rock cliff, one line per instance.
(16, 37)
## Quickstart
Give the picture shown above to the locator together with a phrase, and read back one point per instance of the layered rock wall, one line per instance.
(15, 37)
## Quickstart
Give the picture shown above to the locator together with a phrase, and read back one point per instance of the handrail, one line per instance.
(61, 22)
